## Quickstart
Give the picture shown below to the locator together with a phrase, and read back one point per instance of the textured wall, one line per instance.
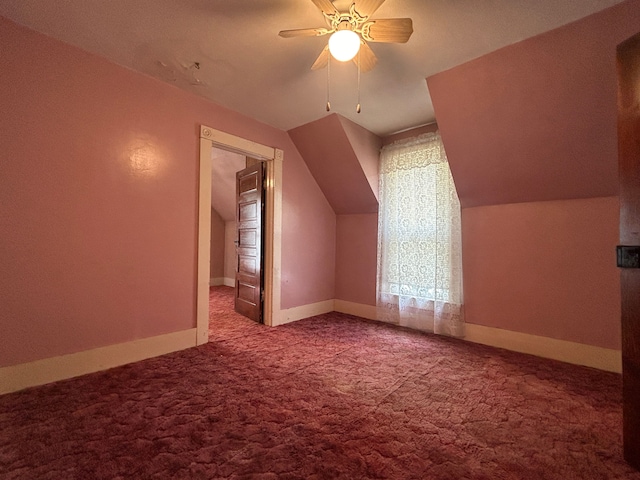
(230, 250)
(98, 205)
(545, 268)
(356, 258)
(332, 153)
(217, 252)
(530, 132)
(536, 120)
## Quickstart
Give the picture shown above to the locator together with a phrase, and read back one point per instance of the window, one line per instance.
(419, 239)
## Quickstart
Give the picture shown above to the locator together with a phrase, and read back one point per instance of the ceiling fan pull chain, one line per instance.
(358, 106)
(328, 82)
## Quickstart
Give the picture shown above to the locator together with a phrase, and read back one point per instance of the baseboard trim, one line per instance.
(571, 352)
(216, 282)
(228, 282)
(357, 309)
(49, 370)
(304, 311)
(565, 351)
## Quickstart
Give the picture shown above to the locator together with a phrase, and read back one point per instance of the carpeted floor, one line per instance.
(329, 397)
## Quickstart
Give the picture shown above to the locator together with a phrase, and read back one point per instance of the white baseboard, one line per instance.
(570, 352)
(49, 370)
(229, 282)
(357, 309)
(303, 311)
(216, 282)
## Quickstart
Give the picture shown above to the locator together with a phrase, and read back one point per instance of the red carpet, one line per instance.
(328, 397)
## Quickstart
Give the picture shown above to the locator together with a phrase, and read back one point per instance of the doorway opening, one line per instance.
(224, 165)
(272, 158)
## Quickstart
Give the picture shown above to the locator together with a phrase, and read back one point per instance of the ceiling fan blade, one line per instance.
(366, 8)
(368, 59)
(388, 30)
(304, 32)
(322, 59)
(326, 6)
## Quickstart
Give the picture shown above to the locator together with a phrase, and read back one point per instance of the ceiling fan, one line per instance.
(356, 27)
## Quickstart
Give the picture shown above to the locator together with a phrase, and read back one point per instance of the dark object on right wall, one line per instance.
(628, 256)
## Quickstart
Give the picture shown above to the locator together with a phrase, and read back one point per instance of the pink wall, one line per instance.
(357, 235)
(99, 202)
(366, 147)
(356, 258)
(536, 120)
(343, 158)
(217, 245)
(308, 241)
(230, 234)
(331, 158)
(531, 129)
(545, 268)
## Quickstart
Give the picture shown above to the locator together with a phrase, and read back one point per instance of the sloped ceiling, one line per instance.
(536, 120)
(366, 147)
(343, 164)
(244, 65)
(224, 166)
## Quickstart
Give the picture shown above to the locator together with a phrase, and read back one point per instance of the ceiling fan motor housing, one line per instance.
(356, 20)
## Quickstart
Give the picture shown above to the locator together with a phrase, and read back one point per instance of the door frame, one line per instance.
(273, 157)
(628, 64)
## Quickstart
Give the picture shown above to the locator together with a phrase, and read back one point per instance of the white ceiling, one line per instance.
(224, 166)
(246, 66)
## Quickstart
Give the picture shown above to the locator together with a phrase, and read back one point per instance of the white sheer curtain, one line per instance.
(419, 238)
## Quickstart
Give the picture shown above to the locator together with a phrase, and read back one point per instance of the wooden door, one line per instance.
(249, 241)
(629, 168)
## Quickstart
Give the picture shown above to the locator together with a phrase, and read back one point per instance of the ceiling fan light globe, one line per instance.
(344, 45)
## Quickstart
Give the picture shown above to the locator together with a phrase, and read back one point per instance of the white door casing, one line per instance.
(273, 158)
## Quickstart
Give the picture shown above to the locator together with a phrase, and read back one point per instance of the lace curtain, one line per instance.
(419, 238)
